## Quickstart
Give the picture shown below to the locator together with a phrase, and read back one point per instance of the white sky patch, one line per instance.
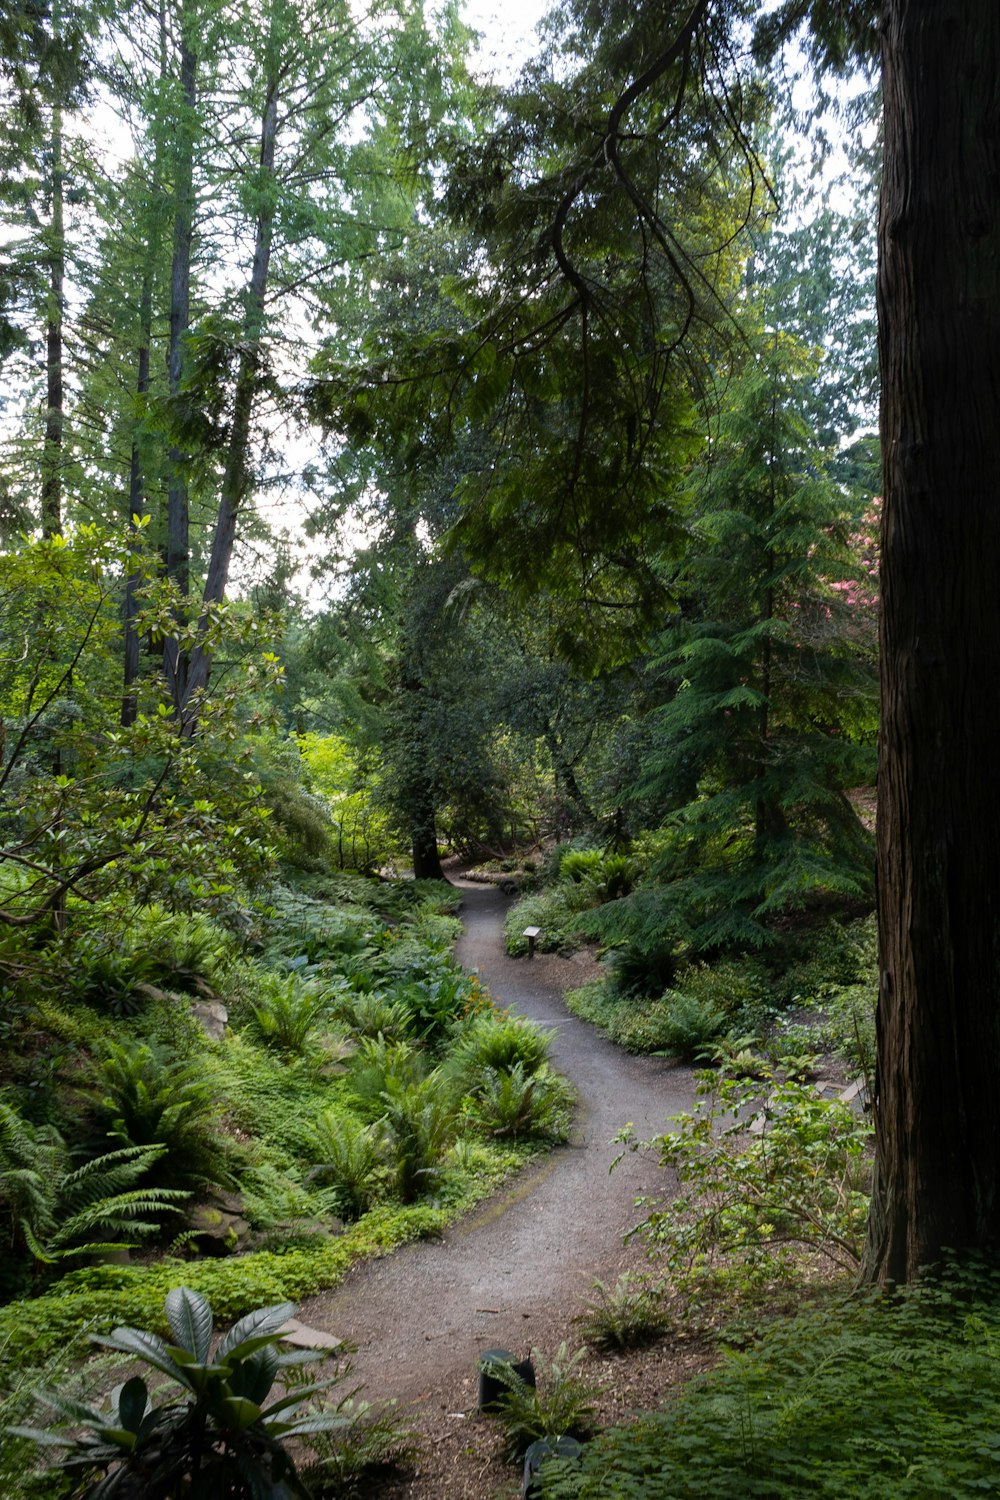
(508, 35)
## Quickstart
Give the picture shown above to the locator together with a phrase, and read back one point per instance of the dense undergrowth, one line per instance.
(365, 1092)
(860, 1395)
(809, 992)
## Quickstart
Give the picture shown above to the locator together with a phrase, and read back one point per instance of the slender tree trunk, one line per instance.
(237, 478)
(937, 1110)
(52, 453)
(137, 480)
(178, 545)
(136, 492)
(770, 820)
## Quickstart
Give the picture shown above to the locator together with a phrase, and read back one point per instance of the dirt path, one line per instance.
(515, 1271)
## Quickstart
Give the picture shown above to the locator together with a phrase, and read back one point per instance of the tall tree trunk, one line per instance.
(137, 478)
(52, 452)
(178, 553)
(770, 821)
(937, 1111)
(237, 476)
(136, 488)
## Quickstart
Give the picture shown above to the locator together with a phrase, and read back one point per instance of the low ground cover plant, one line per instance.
(560, 1403)
(862, 1395)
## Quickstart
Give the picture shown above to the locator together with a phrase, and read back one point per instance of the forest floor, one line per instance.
(519, 1271)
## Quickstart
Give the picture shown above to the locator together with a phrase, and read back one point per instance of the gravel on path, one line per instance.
(520, 1266)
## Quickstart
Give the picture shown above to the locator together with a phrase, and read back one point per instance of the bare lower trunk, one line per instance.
(938, 1105)
(426, 859)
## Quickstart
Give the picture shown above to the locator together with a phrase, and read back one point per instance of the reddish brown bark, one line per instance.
(938, 1077)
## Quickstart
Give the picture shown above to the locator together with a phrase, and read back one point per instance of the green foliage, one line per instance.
(360, 833)
(287, 1011)
(352, 1460)
(421, 1121)
(61, 1212)
(433, 1003)
(146, 1097)
(560, 1405)
(759, 1180)
(645, 936)
(213, 1434)
(19, 1457)
(628, 1315)
(555, 911)
(849, 1026)
(497, 1042)
(688, 1024)
(183, 951)
(351, 1157)
(377, 1063)
(91, 809)
(282, 1210)
(604, 875)
(513, 1102)
(635, 1024)
(370, 1015)
(865, 1396)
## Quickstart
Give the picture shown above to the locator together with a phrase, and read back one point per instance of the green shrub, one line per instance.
(849, 1026)
(560, 1405)
(354, 1459)
(378, 1063)
(688, 1024)
(181, 950)
(740, 988)
(497, 1042)
(628, 1315)
(643, 971)
(580, 864)
(555, 911)
(351, 1157)
(213, 1435)
(283, 1210)
(99, 970)
(512, 1103)
(605, 876)
(145, 1097)
(56, 1211)
(19, 1456)
(432, 1003)
(287, 1011)
(749, 1198)
(372, 1015)
(421, 1122)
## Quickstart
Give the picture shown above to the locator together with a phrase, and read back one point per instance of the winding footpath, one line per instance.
(522, 1264)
